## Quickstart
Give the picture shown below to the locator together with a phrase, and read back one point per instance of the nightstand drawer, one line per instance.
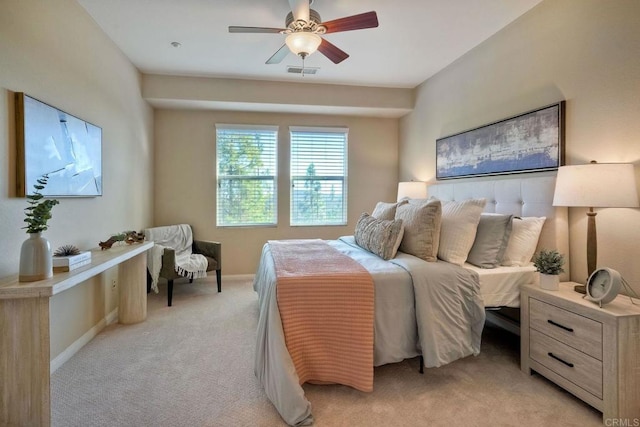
(569, 328)
(575, 366)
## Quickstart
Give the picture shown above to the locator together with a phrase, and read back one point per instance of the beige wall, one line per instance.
(583, 51)
(53, 51)
(185, 176)
(292, 97)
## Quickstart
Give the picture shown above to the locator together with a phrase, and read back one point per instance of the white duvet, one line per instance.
(433, 309)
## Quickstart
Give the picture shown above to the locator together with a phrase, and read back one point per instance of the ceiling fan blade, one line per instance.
(235, 29)
(277, 57)
(355, 22)
(331, 51)
(300, 9)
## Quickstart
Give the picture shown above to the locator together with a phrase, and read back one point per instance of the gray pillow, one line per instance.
(379, 236)
(385, 210)
(491, 240)
(421, 228)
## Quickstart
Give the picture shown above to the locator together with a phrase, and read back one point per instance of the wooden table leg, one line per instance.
(132, 277)
(24, 362)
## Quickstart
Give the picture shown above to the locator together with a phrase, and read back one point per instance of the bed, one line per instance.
(409, 294)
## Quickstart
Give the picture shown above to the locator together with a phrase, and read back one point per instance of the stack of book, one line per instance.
(71, 262)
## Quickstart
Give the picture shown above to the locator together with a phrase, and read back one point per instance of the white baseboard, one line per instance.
(112, 317)
(82, 341)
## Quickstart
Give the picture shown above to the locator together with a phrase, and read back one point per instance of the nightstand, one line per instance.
(589, 351)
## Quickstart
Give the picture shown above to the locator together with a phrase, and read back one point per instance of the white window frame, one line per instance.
(343, 178)
(271, 177)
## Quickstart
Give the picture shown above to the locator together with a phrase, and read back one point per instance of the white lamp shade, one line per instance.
(412, 190)
(596, 185)
(303, 42)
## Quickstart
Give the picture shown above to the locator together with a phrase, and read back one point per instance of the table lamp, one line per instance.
(412, 190)
(595, 185)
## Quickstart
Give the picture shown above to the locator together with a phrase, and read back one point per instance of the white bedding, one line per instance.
(433, 309)
(396, 332)
(500, 287)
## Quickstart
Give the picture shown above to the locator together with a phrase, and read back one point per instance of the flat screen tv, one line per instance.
(55, 143)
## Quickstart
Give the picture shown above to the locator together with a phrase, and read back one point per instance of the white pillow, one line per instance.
(523, 240)
(458, 229)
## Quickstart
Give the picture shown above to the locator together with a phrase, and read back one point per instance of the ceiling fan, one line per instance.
(303, 29)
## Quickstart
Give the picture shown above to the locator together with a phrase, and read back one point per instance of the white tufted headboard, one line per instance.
(521, 197)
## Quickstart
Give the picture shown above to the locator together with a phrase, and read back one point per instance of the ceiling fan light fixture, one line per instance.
(303, 43)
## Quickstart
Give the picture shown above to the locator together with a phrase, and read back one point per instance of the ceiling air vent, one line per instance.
(304, 71)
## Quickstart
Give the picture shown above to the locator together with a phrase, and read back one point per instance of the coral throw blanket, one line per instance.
(326, 303)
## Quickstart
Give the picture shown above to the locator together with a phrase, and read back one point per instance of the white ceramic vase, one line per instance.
(35, 259)
(549, 282)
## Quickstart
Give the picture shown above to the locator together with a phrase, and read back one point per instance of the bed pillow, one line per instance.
(491, 240)
(525, 233)
(458, 230)
(421, 228)
(379, 236)
(384, 210)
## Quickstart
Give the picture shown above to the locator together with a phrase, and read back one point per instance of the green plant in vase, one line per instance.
(549, 264)
(39, 211)
(35, 253)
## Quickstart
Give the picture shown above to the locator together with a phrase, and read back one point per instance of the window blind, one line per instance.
(246, 164)
(318, 176)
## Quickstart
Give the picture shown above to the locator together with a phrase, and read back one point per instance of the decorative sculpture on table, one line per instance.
(66, 250)
(127, 237)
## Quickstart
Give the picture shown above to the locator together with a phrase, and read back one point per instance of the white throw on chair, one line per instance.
(176, 255)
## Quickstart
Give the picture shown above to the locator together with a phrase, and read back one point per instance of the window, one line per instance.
(246, 174)
(318, 176)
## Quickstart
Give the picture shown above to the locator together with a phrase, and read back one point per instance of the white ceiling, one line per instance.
(415, 38)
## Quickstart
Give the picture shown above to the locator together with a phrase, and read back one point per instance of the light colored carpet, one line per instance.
(192, 365)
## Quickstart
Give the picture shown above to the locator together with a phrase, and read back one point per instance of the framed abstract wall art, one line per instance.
(53, 142)
(529, 142)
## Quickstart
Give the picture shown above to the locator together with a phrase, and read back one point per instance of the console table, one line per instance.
(25, 334)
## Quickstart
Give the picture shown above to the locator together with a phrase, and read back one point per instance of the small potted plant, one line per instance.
(35, 254)
(549, 264)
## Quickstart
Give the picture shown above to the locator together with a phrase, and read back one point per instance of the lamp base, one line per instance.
(581, 289)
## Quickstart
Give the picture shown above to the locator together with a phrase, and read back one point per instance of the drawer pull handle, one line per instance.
(560, 326)
(560, 360)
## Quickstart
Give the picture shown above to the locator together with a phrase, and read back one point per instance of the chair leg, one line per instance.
(169, 291)
(219, 277)
(148, 282)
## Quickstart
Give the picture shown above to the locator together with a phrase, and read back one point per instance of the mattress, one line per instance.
(500, 287)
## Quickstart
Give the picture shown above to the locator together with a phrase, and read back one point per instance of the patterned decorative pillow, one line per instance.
(385, 210)
(421, 228)
(379, 236)
(523, 240)
(458, 231)
(491, 240)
